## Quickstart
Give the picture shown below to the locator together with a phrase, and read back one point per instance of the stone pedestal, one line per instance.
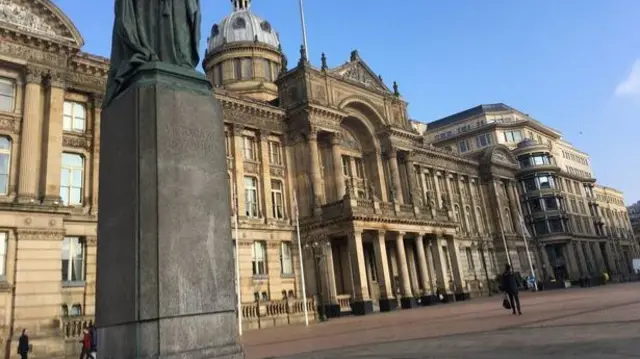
(165, 265)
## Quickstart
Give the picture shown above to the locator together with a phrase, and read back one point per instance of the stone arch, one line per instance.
(43, 18)
(499, 154)
(358, 105)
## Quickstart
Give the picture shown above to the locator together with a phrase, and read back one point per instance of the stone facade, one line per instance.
(388, 215)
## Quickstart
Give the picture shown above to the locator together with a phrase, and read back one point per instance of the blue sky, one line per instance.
(569, 63)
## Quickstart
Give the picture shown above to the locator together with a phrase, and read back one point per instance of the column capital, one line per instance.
(336, 138)
(391, 153)
(56, 79)
(237, 129)
(400, 235)
(33, 75)
(264, 135)
(312, 134)
(98, 99)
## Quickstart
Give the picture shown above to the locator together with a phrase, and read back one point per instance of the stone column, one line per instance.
(362, 304)
(332, 308)
(582, 259)
(395, 174)
(266, 176)
(438, 176)
(30, 139)
(463, 205)
(37, 249)
(514, 205)
(52, 139)
(382, 181)
(407, 300)
(572, 263)
(337, 166)
(422, 265)
(316, 179)
(238, 168)
(477, 217)
(387, 300)
(423, 195)
(440, 264)
(414, 188)
(599, 257)
(95, 170)
(456, 265)
(290, 169)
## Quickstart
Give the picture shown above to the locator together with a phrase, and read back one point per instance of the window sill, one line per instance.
(73, 284)
(4, 285)
(287, 276)
(260, 277)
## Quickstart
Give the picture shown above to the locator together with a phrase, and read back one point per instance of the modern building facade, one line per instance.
(391, 212)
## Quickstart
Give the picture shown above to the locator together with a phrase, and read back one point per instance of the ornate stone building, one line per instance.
(618, 227)
(389, 215)
(556, 188)
(50, 99)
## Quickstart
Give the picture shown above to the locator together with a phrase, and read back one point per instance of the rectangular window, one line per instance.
(237, 69)
(275, 153)
(3, 254)
(259, 257)
(277, 199)
(541, 227)
(249, 147)
(576, 185)
(470, 263)
(512, 136)
(535, 205)
(247, 68)
(251, 197)
(346, 166)
(286, 259)
(530, 184)
(7, 94)
(268, 74)
(5, 161)
(545, 181)
(483, 140)
(72, 260)
(359, 168)
(463, 146)
(551, 204)
(71, 179)
(74, 117)
(218, 75)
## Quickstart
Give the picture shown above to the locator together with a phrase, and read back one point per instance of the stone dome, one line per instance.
(243, 26)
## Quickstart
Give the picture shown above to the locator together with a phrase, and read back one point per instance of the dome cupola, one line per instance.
(244, 54)
(242, 25)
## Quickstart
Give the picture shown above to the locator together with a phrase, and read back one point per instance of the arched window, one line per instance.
(5, 161)
(71, 179)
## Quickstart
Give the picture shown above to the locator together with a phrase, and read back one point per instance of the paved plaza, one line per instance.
(594, 323)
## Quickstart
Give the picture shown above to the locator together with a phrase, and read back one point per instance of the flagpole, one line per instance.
(304, 286)
(526, 235)
(504, 239)
(237, 243)
(304, 29)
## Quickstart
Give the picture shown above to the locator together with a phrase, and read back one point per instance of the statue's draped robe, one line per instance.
(152, 30)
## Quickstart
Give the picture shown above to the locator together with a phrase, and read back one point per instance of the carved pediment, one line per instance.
(40, 18)
(358, 71)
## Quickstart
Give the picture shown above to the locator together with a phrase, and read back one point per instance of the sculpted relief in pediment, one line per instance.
(21, 16)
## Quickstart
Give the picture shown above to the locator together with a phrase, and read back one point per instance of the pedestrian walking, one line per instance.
(23, 344)
(510, 287)
(85, 353)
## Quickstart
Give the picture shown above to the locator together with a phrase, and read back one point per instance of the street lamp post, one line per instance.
(317, 248)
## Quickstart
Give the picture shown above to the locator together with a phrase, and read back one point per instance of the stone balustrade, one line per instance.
(344, 300)
(71, 327)
(259, 315)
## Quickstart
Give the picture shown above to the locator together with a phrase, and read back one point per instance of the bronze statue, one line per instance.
(146, 31)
